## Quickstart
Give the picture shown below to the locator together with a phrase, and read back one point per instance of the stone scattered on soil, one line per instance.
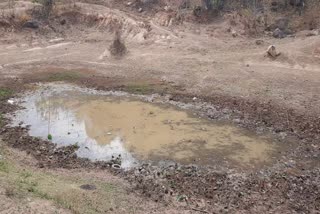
(272, 51)
(234, 33)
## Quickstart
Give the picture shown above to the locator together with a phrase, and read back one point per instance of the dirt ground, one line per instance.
(184, 60)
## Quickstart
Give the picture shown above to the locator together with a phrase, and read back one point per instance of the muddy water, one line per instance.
(106, 125)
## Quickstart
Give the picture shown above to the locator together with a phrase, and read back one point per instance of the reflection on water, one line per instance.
(106, 126)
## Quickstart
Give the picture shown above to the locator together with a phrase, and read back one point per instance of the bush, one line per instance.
(117, 48)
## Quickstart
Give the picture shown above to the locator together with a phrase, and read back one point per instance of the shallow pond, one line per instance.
(106, 124)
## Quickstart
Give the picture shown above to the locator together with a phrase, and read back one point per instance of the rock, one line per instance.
(129, 3)
(277, 33)
(31, 24)
(271, 51)
(234, 33)
(140, 10)
(116, 166)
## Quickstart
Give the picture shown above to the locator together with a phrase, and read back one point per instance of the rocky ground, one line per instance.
(217, 63)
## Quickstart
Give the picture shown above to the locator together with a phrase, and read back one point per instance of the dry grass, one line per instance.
(63, 190)
(21, 181)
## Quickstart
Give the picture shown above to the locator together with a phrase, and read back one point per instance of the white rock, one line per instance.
(271, 51)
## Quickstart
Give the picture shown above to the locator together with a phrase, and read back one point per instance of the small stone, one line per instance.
(116, 166)
(277, 33)
(272, 51)
(140, 10)
(234, 33)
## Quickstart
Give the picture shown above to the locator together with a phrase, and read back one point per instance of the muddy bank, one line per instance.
(291, 184)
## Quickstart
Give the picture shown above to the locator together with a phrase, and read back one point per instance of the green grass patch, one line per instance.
(1, 119)
(5, 93)
(63, 190)
(139, 89)
(4, 166)
(64, 76)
